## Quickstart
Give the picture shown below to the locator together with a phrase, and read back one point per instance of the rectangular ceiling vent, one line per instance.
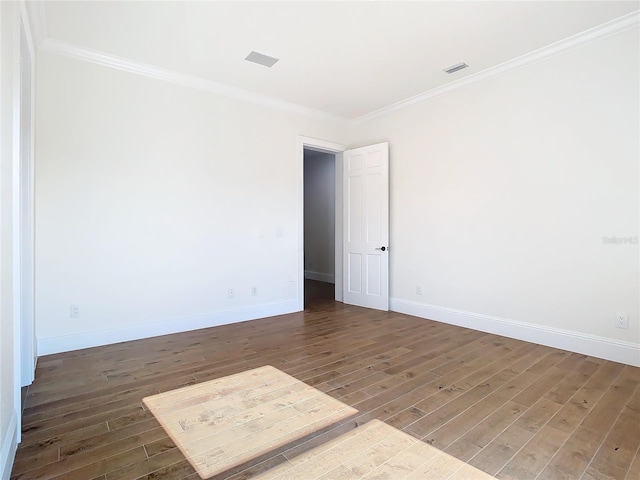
(261, 59)
(455, 68)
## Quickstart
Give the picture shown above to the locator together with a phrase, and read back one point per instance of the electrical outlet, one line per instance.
(74, 311)
(418, 290)
(254, 291)
(622, 320)
(231, 293)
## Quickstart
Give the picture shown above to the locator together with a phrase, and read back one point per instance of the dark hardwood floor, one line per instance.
(513, 409)
(316, 293)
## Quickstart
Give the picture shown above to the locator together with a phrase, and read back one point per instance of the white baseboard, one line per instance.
(66, 343)
(320, 277)
(601, 347)
(9, 446)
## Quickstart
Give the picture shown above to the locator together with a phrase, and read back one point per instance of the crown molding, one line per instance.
(60, 47)
(607, 29)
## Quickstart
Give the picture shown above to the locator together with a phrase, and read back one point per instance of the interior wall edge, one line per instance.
(601, 347)
(9, 447)
(96, 338)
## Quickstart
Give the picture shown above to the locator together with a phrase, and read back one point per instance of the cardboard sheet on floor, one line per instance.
(374, 451)
(228, 421)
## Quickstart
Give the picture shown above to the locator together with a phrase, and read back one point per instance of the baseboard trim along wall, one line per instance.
(320, 277)
(66, 343)
(609, 349)
(9, 447)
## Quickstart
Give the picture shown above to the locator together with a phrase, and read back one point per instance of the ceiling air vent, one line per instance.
(261, 59)
(455, 68)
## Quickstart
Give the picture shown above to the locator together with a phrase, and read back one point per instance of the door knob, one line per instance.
(382, 248)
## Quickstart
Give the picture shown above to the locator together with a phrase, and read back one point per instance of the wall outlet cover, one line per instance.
(622, 320)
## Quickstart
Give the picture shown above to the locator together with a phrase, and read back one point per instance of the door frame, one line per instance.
(23, 201)
(25, 245)
(336, 149)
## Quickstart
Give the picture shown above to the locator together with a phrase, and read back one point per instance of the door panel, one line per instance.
(374, 286)
(355, 273)
(354, 215)
(374, 213)
(366, 226)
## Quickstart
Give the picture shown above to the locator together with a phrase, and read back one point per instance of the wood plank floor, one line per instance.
(512, 409)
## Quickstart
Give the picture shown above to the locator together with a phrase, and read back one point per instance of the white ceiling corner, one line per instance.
(382, 60)
(618, 25)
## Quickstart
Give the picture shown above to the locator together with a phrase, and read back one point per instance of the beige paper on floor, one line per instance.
(374, 451)
(228, 421)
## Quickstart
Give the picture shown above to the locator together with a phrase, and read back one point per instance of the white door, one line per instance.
(366, 226)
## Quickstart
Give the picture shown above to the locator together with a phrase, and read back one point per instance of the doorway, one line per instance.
(319, 226)
(361, 223)
(314, 148)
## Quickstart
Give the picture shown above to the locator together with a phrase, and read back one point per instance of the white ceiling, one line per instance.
(343, 58)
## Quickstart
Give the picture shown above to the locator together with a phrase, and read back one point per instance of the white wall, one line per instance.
(153, 200)
(319, 215)
(502, 192)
